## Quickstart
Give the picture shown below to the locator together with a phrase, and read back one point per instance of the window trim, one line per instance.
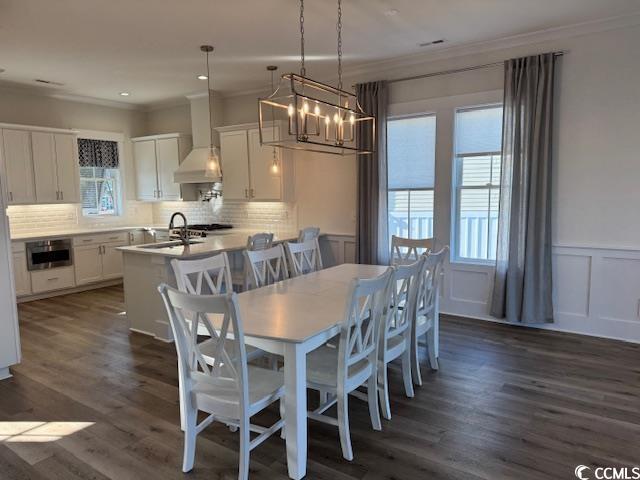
(121, 187)
(456, 188)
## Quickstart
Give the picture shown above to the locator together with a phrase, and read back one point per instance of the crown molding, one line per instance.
(97, 101)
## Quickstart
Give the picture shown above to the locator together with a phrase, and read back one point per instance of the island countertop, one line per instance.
(212, 244)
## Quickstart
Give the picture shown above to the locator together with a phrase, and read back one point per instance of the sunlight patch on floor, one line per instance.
(39, 432)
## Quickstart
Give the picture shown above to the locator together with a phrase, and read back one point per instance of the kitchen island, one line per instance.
(147, 266)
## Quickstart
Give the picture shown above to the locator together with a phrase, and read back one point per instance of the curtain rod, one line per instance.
(458, 70)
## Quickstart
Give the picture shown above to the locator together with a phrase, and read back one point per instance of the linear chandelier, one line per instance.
(303, 114)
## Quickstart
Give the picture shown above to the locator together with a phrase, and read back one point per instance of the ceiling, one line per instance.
(150, 47)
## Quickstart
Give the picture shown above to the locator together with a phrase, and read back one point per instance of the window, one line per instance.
(411, 169)
(99, 177)
(478, 143)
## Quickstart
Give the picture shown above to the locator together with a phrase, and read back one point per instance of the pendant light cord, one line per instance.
(210, 109)
(339, 29)
(303, 70)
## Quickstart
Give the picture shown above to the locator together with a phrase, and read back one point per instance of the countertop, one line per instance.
(215, 243)
(81, 231)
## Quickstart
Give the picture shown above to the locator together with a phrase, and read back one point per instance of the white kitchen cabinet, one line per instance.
(265, 183)
(156, 159)
(247, 165)
(21, 275)
(67, 171)
(234, 150)
(44, 167)
(43, 281)
(41, 165)
(18, 166)
(87, 260)
(112, 261)
(96, 257)
(144, 153)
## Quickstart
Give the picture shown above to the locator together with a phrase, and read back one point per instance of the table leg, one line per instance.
(295, 405)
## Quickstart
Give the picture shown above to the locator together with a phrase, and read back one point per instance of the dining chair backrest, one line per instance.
(408, 250)
(226, 372)
(308, 233)
(206, 276)
(304, 257)
(266, 266)
(260, 241)
(429, 282)
(360, 327)
(401, 301)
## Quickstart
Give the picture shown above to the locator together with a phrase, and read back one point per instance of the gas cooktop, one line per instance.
(208, 227)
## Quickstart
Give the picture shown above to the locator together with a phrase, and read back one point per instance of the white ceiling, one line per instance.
(98, 48)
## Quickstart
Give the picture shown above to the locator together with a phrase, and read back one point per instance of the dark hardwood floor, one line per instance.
(507, 402)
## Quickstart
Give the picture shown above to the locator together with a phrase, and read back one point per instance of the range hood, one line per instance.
(195, 168)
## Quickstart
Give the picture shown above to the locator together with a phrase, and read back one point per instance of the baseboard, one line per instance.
(5, 373)
(543, 326)
(67, 291)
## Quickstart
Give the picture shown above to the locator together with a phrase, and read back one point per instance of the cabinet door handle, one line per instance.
(61, 195)
(159, 193)
(57, 195)
(52, 279)
(11, 196)
(246, 193)
(251, 193)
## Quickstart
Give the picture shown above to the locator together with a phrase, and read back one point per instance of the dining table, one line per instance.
(291, 318)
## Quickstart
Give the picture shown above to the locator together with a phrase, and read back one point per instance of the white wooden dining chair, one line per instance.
(258, 241)
(408, 250)
(396, 329)
(304, 257)
(426, 314)
(308, 233)
(206, 276)
(340, 371)
(229, 390)
(266, 266)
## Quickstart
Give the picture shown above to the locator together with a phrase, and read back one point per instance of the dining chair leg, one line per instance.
(406, 373)
(184, 398)
(383, 391)
(431, 346)
(283, 429)
(245, 439)
(191, 417)
(343, 426)
(415, 363)
(374, 408)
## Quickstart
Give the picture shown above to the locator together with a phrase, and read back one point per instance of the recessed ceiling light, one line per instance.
(124, 94)
(433, 42)
(391, 12)
(202, 77)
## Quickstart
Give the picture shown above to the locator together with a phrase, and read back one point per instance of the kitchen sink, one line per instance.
(171, 244)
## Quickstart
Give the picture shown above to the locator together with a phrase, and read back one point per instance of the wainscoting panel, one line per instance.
(596, 291)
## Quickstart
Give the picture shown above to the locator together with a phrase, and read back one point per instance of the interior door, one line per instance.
(67, 167)
(112, 261)
(144, 153)
(168, 161)
(19, 166)
(88, 263)
(234, 151)
(265, 183)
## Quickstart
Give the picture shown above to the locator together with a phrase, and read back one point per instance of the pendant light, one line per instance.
(275, 168)
(214, 166)
(310, 115)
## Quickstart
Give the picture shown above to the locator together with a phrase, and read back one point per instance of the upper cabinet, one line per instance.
(156, 158)
(247, 166)
(41, 166)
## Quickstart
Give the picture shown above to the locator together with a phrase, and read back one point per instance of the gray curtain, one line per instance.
(522, 287)
(371, 229)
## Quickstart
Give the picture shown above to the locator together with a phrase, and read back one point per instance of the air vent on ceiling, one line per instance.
(434, 42)
(1, 70)
(49, 82)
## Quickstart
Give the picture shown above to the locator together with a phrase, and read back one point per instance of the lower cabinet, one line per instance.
(21, 275)
(94, 263)
(52, 279)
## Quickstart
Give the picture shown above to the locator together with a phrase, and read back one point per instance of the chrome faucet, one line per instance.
(182, 233)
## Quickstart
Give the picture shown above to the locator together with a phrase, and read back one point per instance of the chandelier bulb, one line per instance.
(316, 109)
(352, 119)
(290, 110)
(305, 107)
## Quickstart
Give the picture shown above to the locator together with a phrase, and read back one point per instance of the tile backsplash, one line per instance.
(60, 217)
(273, 216)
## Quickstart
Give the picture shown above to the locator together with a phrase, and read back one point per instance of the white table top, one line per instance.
(296, 309)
